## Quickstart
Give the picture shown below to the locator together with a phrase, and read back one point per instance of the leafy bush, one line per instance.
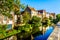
(26, 28)
(1, 36)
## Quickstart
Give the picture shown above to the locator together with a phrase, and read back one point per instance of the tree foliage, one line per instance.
(46, 22)
(35, 21)
(26, 17)
(58, 17)
(6, 6)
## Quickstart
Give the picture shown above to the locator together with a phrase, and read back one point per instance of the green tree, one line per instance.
(26, 17)
(35, 23)
(58, 17)
(55, 21)
(30, 27)
(6, 6)
(3, 29)
(17, 7)
(46, 22)
(50, 18)
(25, 31)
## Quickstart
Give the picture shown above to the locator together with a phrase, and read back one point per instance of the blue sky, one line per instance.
(48, 5)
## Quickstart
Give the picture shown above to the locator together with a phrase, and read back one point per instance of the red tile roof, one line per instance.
(31, 8)
(52, 14)
(41, 11)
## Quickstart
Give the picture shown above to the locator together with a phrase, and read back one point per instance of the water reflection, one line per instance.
(46, 35)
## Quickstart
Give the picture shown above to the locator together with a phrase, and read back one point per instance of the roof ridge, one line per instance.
(31, 8)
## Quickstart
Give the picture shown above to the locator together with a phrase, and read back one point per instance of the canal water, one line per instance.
(45, 35)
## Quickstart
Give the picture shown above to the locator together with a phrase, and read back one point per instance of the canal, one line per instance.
(45, 35)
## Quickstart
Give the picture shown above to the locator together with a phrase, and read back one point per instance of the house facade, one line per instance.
(8, 21)
(52, 15)
(42, 13)
(32, 11)
(39, 13)
(47, 14)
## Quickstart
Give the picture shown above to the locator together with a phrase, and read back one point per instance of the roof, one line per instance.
(41, 11)
(31, 8)
(52, 14)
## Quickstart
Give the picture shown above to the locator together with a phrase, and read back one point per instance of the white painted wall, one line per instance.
(34, 13)
(47, 15)
(15, 18)
(39, 15)
(4, 22)
(44, 14)
(10, 22)
(0, 22)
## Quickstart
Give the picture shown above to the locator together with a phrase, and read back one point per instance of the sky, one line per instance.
(48, 5)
